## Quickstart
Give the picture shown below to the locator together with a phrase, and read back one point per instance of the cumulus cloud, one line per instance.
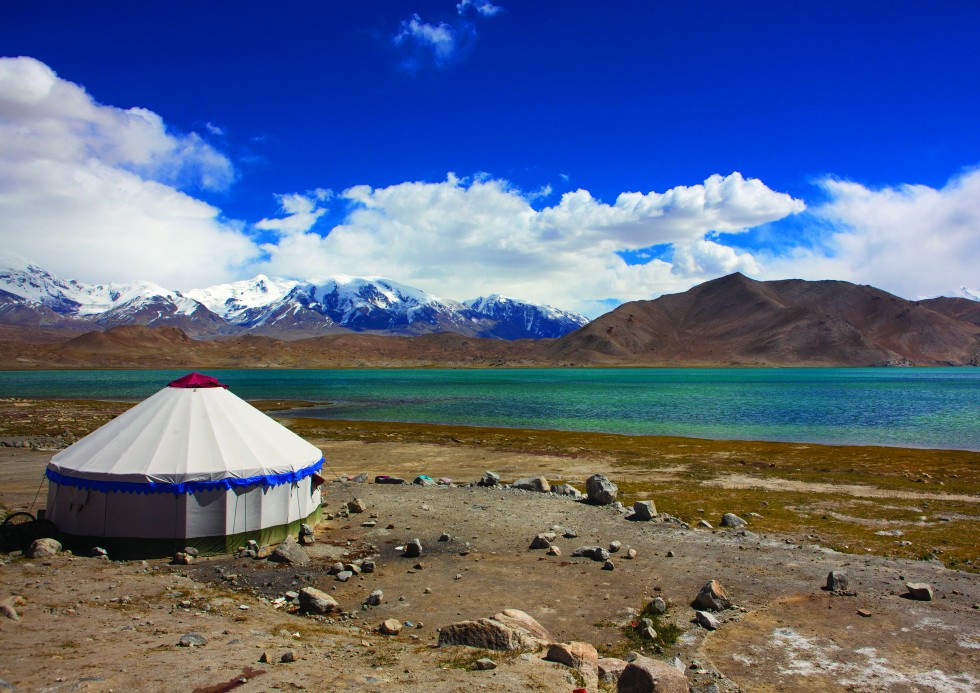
(912, 240)
(468, 237)
(440, 43)
(302, 211)
(89, 187)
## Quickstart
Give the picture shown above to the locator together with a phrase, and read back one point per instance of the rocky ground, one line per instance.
(92, 624)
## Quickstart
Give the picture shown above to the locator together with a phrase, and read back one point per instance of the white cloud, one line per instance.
(484, 7)
(911, 240)
(301, 210)
(91, 191)
(440, 40)
(464, 238)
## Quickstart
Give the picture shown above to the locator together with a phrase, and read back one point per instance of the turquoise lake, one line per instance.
(910, 407)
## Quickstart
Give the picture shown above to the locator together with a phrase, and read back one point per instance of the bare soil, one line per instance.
(89, 624)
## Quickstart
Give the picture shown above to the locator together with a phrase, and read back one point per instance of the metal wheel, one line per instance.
(20, 529)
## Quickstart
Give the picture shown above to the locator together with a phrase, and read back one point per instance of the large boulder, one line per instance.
(533, 483)
(920, 591)
(509, 630)
(600, 490)
(580, 656)
(732, 520)
(712, 597)
(645, 675)
(289, 551)
(314, 601)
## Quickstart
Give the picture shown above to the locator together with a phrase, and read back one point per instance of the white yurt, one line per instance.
(193, 465)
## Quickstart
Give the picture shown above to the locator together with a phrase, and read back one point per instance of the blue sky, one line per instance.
(469, 147)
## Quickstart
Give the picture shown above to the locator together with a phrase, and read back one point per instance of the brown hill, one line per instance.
(735, 320)
(729, 321)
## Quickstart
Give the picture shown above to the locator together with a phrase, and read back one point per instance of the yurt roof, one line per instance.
(192, 435)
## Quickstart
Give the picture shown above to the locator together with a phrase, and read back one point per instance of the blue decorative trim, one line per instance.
(185, 487)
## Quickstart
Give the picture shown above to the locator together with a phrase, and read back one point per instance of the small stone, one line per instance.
(360, 478)
(615, 546)
(289, 551)
(534, 483)
(385, 479)
(732, 520)
(644, 510)
(191, 551)
(920, 591)
(98, 552)
(264, 658)
(554, 550)
(423, 480)
(670, 554)
(444, 537)
(182, 558)
(390, 626)
(413, 549)
(706, 620)
(335, 568)
(484, 664)
(192, 640)
(288, 657)
(44, 548)
(657, 606)
(427, 590)
(367, 566)
(704, 524)
(596, 553)
(344, 575)
(608, 565)
(864, 613)
(356, 506)
(600, 490)
(837, 580)
(314, 601)
(489, 479)
(540, 541)
(569, 534)
(712, 597)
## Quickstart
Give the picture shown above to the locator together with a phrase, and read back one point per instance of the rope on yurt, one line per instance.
(340, 479)
(31, 509)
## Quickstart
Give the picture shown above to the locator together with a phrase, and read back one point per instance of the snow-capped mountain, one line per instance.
(526, 319)
(60, 302)
(29, 295)
(972, 294)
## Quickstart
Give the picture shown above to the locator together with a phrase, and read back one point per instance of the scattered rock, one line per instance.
(732, 520)
(375, 598)
(44, 548)
(192, 640)
(615, 546)
(569, 534)
(630, 554)
(306, 536)
(367, 566)
(288, 657)
(489, 479)
(706, 620)
(608, 565)
(596, 553)
(580, 656)
(356, 506)
(344, 575)
(533, 483)
(644, 510)
(836, 581)
(385, 479)
(610, 669)
(554, 550)
(484, 664)
(601, 490)
(541, 541)
(335, 568)
(712, 597)
(864, 613)
(194, 553)
(289, 551)
(509, 630)
(656, 606)
(669, 554)
(98, 552)
(423, 480)
(645, 675)
(920, 591)
(413, 549)
(314, 601)
(264, 658)
(360, 478)
(182, 558)
(567, 490)
(890, 533)
(704, 524)
(390, 626)
(444, 537)
(8, 607)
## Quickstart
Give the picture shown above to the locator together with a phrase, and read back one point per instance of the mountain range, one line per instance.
(729, 321)
(30, 296)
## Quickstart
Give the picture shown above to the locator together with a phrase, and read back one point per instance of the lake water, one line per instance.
(912, 407)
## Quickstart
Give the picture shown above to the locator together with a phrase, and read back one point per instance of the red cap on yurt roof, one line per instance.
(197, 380)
